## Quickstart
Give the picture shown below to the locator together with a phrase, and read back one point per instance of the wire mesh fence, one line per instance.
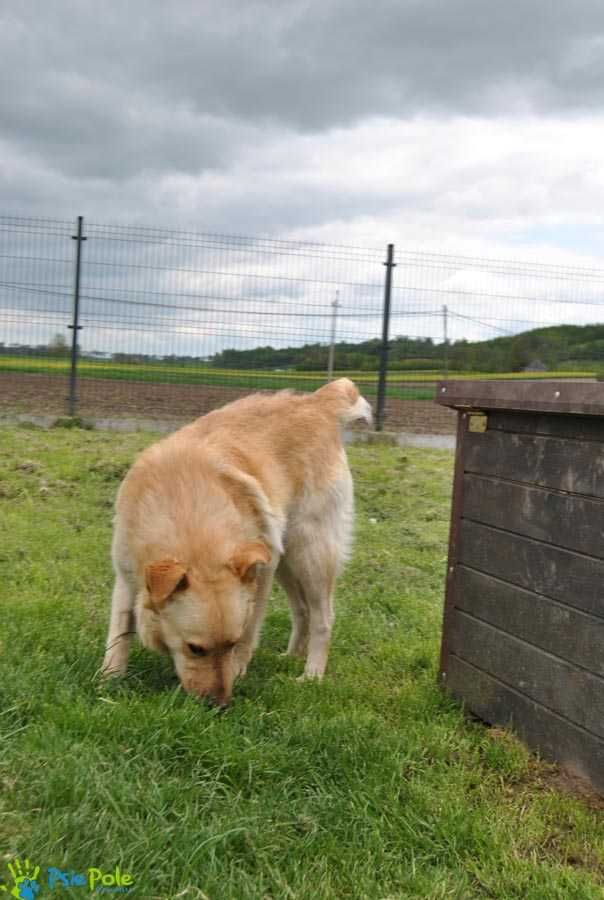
(170, 324)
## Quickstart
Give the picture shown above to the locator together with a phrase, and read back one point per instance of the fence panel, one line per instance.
(36, 302)
(174, 323)
(196, 320)
(478, 317)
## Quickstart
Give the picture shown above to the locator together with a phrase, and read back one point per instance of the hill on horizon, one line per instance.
(555, 347)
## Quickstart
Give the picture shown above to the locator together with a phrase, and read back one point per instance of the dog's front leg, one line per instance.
(244, 650)
(121, 628)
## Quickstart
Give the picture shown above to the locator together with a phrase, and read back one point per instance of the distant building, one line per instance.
(535, 366)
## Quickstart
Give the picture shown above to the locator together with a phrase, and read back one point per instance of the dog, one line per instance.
(207, 516)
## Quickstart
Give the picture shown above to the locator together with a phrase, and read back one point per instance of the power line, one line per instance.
(479, 322)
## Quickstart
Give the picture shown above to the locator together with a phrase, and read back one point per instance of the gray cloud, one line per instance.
(325, 119)
(469, 126)
(106, 91)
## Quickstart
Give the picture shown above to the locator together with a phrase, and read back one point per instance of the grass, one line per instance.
(371, 785)
(403, 387)
(418, 385)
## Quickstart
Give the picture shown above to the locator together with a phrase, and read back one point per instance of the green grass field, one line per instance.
(402, 387)
(406, 385)
(370, 785)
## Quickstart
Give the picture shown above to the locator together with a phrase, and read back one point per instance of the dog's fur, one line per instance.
(207, 516)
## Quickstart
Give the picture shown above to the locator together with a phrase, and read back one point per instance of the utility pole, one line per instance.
(381, 392)
(446, 341)
(332, 341)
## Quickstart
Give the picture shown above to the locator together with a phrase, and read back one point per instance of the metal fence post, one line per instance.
(381, 393)
(75, 326)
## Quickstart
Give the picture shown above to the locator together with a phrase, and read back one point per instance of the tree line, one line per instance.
(554, 347)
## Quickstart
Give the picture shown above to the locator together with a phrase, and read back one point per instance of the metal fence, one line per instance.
(105, 320)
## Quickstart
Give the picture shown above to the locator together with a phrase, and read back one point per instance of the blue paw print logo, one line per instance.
(25, 885)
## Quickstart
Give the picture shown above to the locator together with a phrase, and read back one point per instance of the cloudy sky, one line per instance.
(466, 126)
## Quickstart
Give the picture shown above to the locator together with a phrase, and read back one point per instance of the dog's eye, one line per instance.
(196, 650)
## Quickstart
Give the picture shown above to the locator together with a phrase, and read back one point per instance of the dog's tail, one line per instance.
(342, 397)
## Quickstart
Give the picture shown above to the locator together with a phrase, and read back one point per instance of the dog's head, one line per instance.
(199, 614)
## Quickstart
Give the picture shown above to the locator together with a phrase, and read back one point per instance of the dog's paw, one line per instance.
(241, 660)
(113, 668)
(240, 670)
(296, 653)
(310, 674)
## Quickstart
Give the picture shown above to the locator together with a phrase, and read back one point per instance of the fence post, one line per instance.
(75, 326)
(381, 394)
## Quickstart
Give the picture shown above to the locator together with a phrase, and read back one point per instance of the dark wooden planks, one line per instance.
(560, 574)
(575, 398)
(573, 692)
(577, 428)
(524, 628)
(572, 635)
(553, 462)
(454, 536)
(555, 737)
(566, 520)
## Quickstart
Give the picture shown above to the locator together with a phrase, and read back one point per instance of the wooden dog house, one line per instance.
(523, 636)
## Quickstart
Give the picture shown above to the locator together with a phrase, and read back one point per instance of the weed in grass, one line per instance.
(73, 422)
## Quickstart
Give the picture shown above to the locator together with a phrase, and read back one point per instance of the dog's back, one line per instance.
(298, 434)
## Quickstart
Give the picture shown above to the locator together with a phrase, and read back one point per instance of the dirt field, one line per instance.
(104, 398)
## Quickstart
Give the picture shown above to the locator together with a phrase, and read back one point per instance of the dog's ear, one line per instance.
(246, 559)
(163, 578)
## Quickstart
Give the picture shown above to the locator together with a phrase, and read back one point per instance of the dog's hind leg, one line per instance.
(121, 628)
(320, 623)
(298, 640)
(308, 575)
(317, 547)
